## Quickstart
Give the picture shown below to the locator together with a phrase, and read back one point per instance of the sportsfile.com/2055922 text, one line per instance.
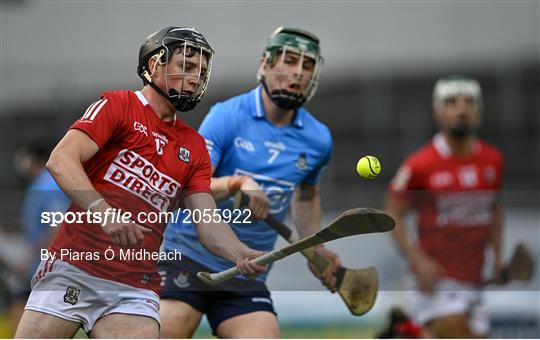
(113, 215)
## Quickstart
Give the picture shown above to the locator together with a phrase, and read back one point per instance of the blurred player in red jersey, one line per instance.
(453, 183)
(129, 152)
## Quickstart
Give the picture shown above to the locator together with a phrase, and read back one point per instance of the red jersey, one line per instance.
(144, 165)
(454, 197)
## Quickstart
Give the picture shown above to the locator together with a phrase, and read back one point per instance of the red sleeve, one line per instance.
(406, 181)
(101, 120)
(200, 180)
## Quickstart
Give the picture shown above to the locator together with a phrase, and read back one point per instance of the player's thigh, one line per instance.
(260, 324)
(119, 325)
(41, 325)
(450, 326)
(15, 314)
(178, 319)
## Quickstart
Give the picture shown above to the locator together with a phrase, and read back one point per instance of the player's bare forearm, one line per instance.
(217, 238)
(65, 165)
(398, 209)
(219, 187)
(223, 187)
(306, 210)
(425, 268)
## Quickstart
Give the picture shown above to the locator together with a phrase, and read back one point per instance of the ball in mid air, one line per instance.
(368, 167)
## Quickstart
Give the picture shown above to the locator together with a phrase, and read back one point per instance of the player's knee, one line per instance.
(40, 325)
(268, 333)
(120, 325)
(266, 330)
(454, 326)
(250, 332)
(150, 330)
(178, 319)
(252, 325)
(271, 331)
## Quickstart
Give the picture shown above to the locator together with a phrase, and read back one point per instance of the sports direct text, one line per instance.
(134, 173)
(113, 215)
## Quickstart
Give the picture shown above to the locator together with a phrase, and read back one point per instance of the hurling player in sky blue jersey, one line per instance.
(266, 144)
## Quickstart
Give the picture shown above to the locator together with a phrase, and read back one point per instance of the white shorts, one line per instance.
(450, 297)
(65, 291)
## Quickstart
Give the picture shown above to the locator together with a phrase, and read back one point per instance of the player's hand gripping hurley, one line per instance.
(352, 222)
(358, 288)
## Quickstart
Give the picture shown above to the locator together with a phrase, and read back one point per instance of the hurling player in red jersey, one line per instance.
(453, 183)
(128, 152)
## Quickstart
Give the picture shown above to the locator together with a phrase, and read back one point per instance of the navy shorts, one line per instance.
(219, 303)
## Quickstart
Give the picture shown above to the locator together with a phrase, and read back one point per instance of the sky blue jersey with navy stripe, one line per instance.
(242, 141)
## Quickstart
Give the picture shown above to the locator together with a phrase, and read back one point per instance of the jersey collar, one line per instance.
(442, 147)
(258, 110)
(144, 101)
(142, 98)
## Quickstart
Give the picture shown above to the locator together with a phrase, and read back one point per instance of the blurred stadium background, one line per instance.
(382, 59)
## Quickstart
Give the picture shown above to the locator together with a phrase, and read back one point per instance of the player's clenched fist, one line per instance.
(122, 234)
(259, 204)
(258, 201)
(328, 278)
(246, 267)
(130, 234)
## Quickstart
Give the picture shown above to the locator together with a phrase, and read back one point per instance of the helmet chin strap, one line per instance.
(174, 97)
(284, 99)
(181, 103)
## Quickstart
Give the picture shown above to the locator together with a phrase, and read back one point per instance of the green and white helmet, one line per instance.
(303, 43)
(455, 85)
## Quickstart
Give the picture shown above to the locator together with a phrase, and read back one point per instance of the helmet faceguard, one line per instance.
(162, 46)
(304, 45)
